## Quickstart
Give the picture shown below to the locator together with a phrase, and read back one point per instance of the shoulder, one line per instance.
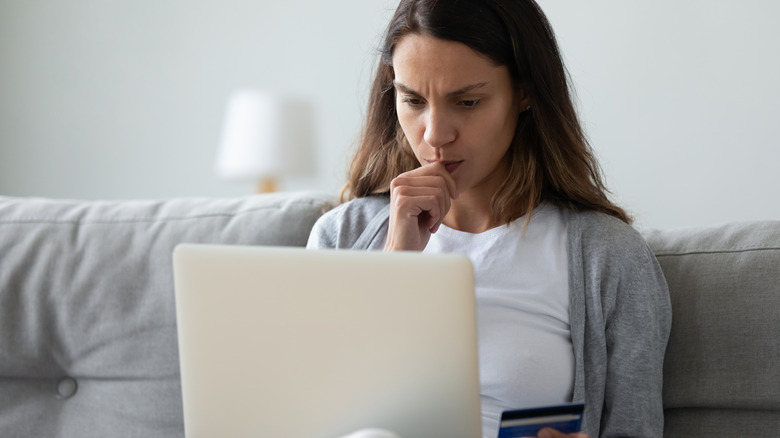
(600, 235)
(357, 213)
(368, 206)
(616, 260)
(343, 226)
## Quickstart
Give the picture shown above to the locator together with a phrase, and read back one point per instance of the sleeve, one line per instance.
(358, 224)
(331, 229)
(323, 233)
(637, 328)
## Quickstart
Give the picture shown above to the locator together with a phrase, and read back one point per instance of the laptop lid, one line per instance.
(295, 343)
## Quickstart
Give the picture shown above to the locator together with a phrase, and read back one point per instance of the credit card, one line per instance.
(528, 422)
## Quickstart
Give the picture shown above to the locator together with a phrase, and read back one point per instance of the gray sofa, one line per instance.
(88, 332)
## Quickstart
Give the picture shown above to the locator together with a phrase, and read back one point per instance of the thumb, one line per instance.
(546, 433)
(551, 433)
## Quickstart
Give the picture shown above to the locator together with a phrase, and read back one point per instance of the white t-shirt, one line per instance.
(522, 288)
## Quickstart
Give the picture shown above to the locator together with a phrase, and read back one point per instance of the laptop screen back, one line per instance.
(295, 343)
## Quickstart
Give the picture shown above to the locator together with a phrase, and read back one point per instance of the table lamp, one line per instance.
(265, 136)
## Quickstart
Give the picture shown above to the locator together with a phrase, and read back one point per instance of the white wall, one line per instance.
(681, 100)
(125, 99)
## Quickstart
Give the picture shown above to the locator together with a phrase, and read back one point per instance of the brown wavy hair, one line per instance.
(549, 158)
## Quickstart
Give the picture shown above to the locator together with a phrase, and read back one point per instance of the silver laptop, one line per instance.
(294, 343)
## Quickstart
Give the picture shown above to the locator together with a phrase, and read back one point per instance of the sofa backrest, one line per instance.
(722, 364)
(88, 332)
(87, 318)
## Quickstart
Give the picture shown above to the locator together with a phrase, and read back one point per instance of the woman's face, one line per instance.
(455, 106)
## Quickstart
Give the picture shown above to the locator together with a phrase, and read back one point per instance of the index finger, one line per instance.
(442, 170)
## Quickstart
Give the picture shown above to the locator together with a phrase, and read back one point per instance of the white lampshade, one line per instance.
(265, 136)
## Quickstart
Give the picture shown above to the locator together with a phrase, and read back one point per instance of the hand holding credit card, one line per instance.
(528, 422)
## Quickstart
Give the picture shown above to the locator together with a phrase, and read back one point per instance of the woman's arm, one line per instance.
(621, 319)
(358, 224)
(636, 334)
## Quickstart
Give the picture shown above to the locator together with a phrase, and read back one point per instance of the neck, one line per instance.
(470, 213)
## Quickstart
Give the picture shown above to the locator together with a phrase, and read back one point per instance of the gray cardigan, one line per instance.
(620, 311)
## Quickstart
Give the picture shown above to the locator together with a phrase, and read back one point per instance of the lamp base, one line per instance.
(267, 185)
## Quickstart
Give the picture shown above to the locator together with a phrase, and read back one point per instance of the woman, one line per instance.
(472, 145)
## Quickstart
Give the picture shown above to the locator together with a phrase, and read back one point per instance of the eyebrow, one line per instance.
(463, 90)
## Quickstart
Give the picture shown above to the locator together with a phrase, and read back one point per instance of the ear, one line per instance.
(523, 98)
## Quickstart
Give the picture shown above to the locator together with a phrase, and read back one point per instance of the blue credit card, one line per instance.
(528, 422)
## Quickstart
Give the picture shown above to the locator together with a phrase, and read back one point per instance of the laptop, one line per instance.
(294, 343)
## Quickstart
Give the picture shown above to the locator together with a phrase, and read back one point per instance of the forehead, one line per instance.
(425, 59)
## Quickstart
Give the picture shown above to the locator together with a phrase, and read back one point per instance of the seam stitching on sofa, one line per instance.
(147, 219)
(732, 251)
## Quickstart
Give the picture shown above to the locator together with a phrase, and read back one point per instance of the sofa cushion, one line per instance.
(724, 349)
(87, 318)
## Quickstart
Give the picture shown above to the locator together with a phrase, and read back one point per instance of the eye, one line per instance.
(411, 101)
(468, 103)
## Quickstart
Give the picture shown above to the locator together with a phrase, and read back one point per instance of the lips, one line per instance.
(451, 166)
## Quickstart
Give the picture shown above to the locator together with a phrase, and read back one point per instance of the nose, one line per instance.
(439, 129)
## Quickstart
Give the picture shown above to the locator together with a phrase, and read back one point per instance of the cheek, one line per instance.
(411, 128)
(503, 129)
(407, 127)
(406, 121)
